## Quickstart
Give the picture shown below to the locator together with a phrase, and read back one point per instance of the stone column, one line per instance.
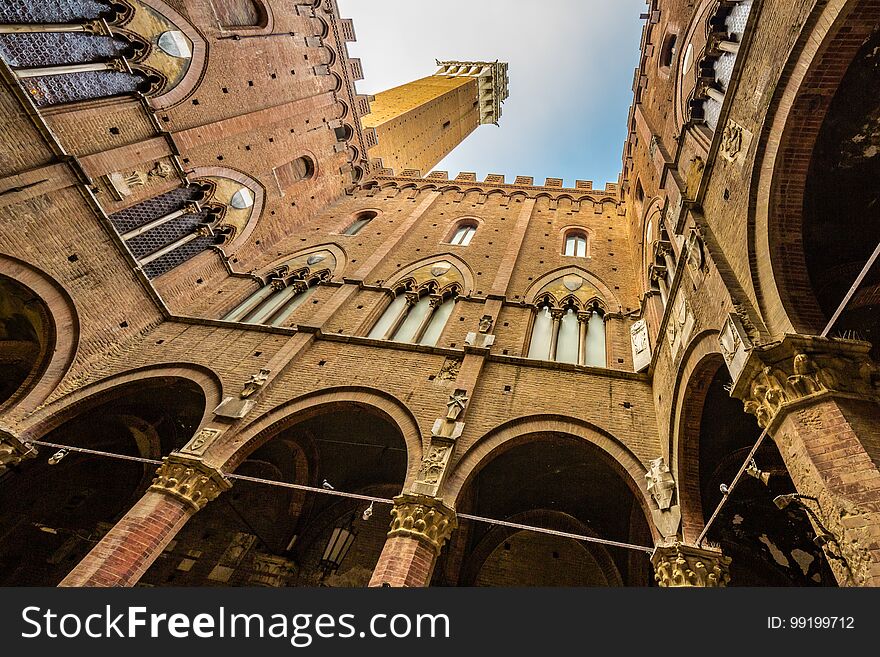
(819, 400)
(420, 526)
(680, 565)
(556, 314)
(183, 485)
(583, 327)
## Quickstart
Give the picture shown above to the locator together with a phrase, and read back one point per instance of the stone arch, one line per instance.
(56, 413)
(832, 36)
(518, 431)
(259, 201)
(462, 267)
(62, 338)
(337, 251)
(229, 454)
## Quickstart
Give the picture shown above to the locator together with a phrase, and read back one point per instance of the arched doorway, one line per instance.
(841, 225)
(768, 546)
(53, 514)
(263, 535)
(555, 481)
(26, 338)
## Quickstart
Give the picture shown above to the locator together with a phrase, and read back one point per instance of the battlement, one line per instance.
(499, 181)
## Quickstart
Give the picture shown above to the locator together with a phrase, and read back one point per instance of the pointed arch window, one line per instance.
(275, 302)
(415, 317)
(576, 244)
(362, 219)
(568, 333)
(464, 233)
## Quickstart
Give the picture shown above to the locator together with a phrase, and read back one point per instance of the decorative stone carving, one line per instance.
(189, 480)
(486, 322)
(661, 484)
(434, 463)
(735, 142)
(13, 450)
(734, 343)
(201, 441)
(780, 374)
(161, 170)
(456, 405)
(641, 347)
(680, 565)
(424, 518)
(254, 383)
(572, 282)
(695, 253)
(449, 370)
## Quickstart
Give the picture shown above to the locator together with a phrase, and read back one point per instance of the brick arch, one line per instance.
(67, 407)
(64, 332)
(228, 454)
(827, 45)
(699, 364)
(521, 430)
(197, 64)
(549, 519)
(610, 298)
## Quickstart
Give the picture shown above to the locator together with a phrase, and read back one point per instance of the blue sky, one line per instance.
(571, 72)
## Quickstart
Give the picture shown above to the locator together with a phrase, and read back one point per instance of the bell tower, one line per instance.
(419, 123)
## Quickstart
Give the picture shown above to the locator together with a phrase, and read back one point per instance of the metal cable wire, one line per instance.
(357, 496)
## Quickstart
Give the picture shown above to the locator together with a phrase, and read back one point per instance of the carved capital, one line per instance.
(680, 565)
(802, 368)
(189, 480)
(424, 518)
(13, 450)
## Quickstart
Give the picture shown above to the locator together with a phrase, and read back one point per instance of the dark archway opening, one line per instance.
(262, 535)
(842, 200)
(26, 338)
(768, 546)
(551, 481)
(54, 514)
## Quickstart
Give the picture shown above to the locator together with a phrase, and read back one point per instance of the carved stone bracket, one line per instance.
(424, 518)
(189, 480)
(13, 450)
(272, 571)
(800, 368)
(680, 565)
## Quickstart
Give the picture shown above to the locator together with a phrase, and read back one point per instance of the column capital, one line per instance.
(425, 518)
(13, 450)
(800, 369)
(189, 480)
(681, 565)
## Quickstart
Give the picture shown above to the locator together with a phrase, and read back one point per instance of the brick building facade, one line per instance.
(246, 329)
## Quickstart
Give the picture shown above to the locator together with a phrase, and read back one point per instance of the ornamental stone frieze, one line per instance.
(680, 565)
(13, 450)
(189, 480)
(801, 368)
(424, 518)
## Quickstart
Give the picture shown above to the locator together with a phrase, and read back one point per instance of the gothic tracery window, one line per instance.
(416, 316)
(63, 51)
(568, 333)
(275, 302)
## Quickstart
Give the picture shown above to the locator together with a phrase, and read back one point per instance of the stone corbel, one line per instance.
(680, 565)
(13, 450)
(235, 408)
(661, 486)
(189, 480)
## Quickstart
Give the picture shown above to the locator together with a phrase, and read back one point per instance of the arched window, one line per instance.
(165, 231)
(463, 234)
(415, 318)
(274, 303)
(576, 244)
(669, 51)
(57, 56)
(239, 13)
(302, 168)
(362, 219)
(568, 334)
